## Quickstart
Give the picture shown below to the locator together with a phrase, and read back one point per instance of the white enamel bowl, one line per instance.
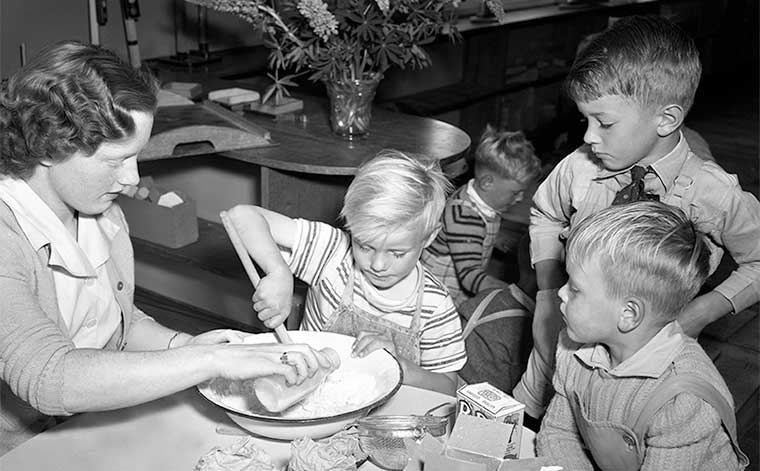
(350, 392)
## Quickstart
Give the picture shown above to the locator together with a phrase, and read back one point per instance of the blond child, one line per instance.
(631, 388)
(505, 165)
(366, 280)
(634, 83)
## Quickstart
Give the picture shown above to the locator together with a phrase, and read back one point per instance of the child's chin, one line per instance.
(382, 284)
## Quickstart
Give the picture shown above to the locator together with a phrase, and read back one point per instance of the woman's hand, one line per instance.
(273, 297)
(295, 362)
(368, 342)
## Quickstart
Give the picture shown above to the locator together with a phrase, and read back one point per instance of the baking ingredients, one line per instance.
(276, 395)
(343, 390)
(242, 455)
(337, 453)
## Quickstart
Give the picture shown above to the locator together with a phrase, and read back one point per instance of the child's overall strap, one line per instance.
(692, 384)
(685, 179)
(476, 319)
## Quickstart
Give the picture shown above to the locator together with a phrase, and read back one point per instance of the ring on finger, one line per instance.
(284, 358)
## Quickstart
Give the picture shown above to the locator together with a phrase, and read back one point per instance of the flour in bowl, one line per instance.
(339, 393)
(344, 390)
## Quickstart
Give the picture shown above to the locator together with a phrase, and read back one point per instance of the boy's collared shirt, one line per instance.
(578, 187)
(487, 211)
(321, 257)
(83, 288)
(650, 361)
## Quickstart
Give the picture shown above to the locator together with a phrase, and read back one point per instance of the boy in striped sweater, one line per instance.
(366, 280)
(632, 390)
(505, 165)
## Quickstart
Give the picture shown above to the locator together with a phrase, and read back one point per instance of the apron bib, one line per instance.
(348, 319)
(619, 447)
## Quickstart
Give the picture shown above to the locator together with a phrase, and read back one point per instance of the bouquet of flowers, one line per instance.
(338, 40)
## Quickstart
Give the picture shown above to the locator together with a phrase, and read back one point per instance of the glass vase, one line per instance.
(351, 105)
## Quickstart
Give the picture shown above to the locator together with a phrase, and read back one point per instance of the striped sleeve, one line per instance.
(465, 234)
(316, 245)
(320, 258)
(441, 344)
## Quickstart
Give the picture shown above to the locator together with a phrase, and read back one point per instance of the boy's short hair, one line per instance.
(70, 98)
(508, 154)
(646, 59)
(647, 249)
(394, 190)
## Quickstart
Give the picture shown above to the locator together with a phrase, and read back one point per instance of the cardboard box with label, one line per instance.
(488, 402)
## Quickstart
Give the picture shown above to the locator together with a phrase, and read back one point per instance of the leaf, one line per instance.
(368, 39)
(268, 93)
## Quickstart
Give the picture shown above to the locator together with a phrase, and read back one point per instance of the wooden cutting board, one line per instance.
(201, 128)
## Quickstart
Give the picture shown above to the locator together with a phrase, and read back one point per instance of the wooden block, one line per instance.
(189, 90)
(288, 105)
(142, 193)
(233, 96)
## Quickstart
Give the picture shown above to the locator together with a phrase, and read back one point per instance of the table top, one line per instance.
(305, 142)
(170, 434)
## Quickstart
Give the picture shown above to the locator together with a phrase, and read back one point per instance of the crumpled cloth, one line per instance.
(340, 452)
(242, 455)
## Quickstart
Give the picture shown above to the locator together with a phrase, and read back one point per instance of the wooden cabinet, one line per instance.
(510, 75)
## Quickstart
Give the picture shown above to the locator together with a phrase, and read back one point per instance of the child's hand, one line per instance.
(273, 298)
(368, 342)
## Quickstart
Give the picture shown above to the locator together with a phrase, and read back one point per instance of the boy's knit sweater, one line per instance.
(686, 434)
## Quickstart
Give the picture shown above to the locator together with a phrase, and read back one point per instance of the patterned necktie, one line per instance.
(634, 191)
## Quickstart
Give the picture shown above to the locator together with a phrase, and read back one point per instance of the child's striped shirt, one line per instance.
(321, 257)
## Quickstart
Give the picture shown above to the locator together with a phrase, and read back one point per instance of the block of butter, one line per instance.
(488, 402)
(480, 440)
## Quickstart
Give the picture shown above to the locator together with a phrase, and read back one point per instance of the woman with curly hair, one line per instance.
(72, 122)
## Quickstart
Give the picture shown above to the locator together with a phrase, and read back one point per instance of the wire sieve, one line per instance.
(382, 436)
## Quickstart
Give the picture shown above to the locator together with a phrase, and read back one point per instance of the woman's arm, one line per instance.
(97, 380)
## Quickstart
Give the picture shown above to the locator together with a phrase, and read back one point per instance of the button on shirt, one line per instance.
(83, 290)
(578, 188)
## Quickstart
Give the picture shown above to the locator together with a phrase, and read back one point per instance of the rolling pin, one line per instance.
(272, 391)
